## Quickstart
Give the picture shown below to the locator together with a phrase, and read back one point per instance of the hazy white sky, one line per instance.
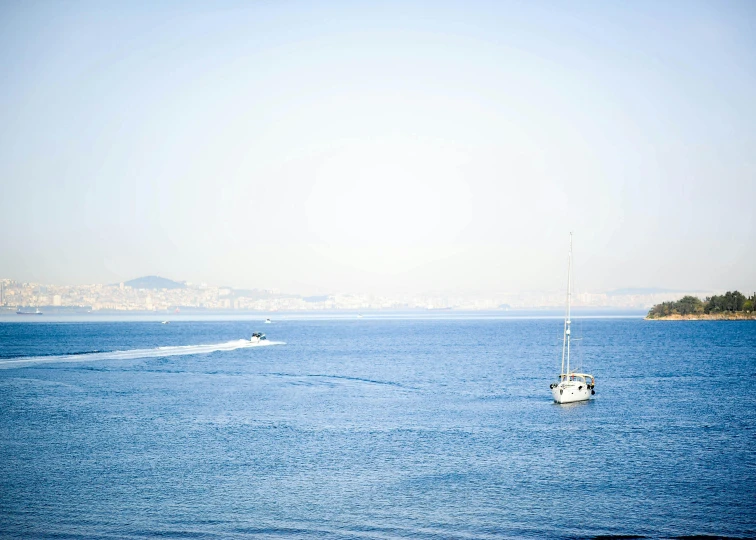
(380, 147)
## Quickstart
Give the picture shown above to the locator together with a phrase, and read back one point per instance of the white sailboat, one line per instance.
(571, 386)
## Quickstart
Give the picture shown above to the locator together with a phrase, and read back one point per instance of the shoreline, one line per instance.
(739, 316)
(281, 316)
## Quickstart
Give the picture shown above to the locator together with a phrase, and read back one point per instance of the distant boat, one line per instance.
(257, 337)
(268, 321)
(20, 310)
(35, 312)
(571, 386)
(166, 322)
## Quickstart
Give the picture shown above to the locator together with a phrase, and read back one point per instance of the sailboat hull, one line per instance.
(571, 392)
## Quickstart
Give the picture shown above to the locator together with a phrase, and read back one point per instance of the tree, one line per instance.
(688, 305)
(731, 301)
(685, 306)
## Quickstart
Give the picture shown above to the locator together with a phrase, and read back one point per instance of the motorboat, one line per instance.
(571, 386)
(257, 337)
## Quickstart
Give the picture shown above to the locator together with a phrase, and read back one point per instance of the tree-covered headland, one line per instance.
(730, 303)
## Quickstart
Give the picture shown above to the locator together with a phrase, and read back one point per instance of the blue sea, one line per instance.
(399, 427)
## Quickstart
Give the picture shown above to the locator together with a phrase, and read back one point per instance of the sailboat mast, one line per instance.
(569, 304)
(566, 336)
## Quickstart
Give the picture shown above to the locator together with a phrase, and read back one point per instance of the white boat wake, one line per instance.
(134, 354)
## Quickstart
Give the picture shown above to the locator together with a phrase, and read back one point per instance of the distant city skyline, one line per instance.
(154, 293)
(184, 282)
(392, 149)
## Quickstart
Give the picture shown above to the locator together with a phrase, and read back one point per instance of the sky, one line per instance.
(380, 147)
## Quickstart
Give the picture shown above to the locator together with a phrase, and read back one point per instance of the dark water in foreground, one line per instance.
(376, 429)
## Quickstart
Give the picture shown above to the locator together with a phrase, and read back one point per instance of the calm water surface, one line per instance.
(376, 429)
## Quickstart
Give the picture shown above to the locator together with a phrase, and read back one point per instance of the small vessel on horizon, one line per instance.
(571, 386)
(19, 311)
(268, 321)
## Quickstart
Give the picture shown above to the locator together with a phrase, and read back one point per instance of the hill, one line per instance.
(154, 282)
(639, 290)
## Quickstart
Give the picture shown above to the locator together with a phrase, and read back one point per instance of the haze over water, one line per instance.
(399, 147)
(398, 428)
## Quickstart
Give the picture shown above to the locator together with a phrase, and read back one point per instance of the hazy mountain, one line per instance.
(640, 290)
(154, 282)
